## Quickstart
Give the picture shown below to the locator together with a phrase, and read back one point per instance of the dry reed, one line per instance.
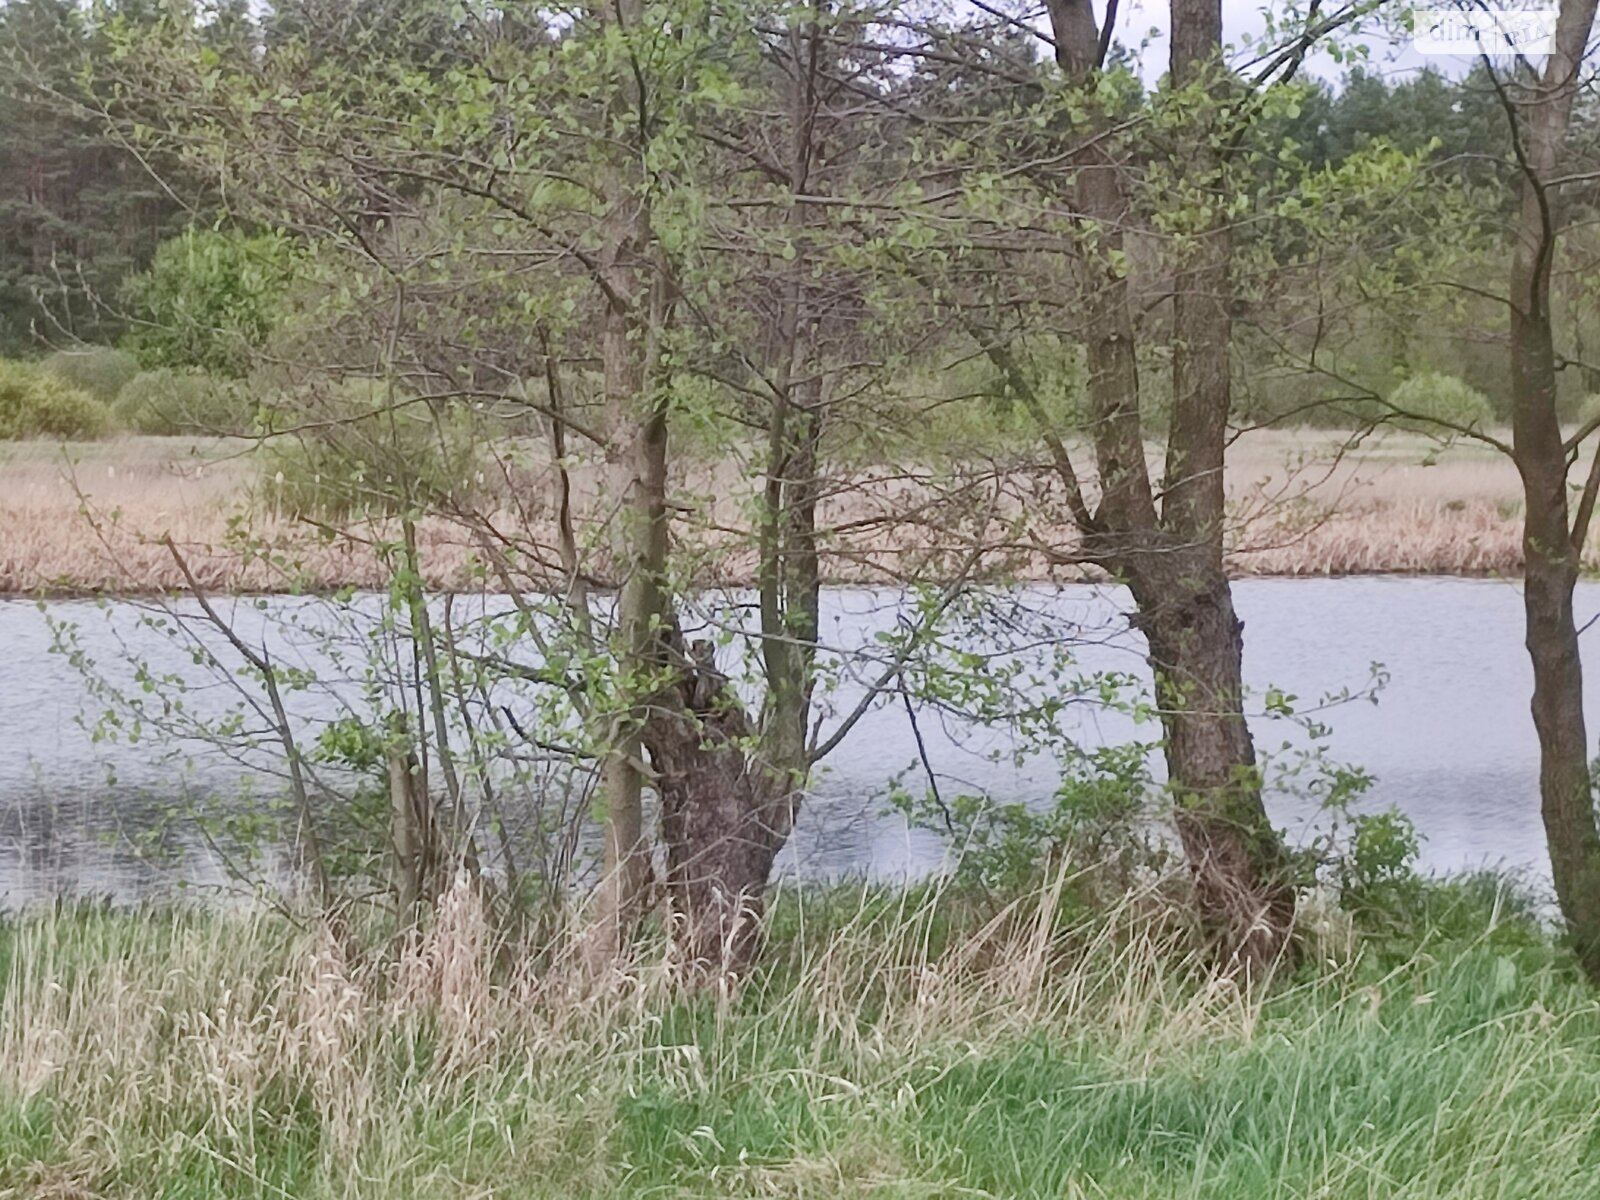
(94, 520)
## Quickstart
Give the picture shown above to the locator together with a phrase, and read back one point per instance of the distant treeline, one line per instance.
(80, 211)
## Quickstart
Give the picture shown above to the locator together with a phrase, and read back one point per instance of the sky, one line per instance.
(1142, 24)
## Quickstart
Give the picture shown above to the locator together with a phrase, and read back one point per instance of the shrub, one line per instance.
(1431, 398)
(1589, 409)
(101, 371)
(36, 403)
(966, 408)
(1096, 819)
(209, 300)
(167, 402)
(345, 450)
(1378, 869)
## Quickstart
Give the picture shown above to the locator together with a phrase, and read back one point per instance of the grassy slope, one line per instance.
(890, 1051)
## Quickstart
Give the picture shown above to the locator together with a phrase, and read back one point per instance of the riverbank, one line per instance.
(892, 1047)
(92, 518)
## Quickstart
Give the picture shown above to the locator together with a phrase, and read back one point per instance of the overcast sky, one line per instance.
(1389, 52)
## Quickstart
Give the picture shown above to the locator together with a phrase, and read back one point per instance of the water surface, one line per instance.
(1449, 741)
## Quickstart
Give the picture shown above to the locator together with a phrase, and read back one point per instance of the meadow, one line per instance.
(893, 1044)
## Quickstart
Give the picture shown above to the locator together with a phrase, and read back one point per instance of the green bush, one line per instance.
(965, 408)
(1431, 398)
(346, 449)
(101, 371)
(209, 300)
(166, 402)
(36, 403)
(1096, 821)
(1589, 409)
(1377, 873)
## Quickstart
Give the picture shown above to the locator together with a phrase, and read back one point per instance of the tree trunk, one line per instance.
(1172, 561)
(634, 287)
(724, 817)
(730, 788)
(1242, 887)
(1565, 787)
(1550, 571)
(413, 833)
(1195, 495)
(1551, 540)
(639, 480)
(1197, 644)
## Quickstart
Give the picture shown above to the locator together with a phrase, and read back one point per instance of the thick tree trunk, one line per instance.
(1242, 886)
(1550, 571)
(1565, 788)
(730, 787)
(1240, 866)
(1552, 540)
(724, 817)
(727, 808)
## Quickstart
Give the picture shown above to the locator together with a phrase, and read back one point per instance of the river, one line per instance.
(1449, 740)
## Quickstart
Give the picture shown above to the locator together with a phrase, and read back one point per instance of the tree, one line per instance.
(589, 229)
(77, 211)
(1166, 543)
(1538, 110)
(210, 300)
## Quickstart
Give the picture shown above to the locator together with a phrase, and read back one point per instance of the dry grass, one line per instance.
(174, 1045)
(90, 518)
(899, 1047)
(1396, 503)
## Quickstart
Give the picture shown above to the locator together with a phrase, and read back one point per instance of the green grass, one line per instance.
(894, 1046)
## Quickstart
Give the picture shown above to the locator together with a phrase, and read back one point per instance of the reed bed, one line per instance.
(92, 519)
(896, 1045)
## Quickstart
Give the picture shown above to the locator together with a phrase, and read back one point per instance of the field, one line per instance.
(89, 517)
(894, 1046)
